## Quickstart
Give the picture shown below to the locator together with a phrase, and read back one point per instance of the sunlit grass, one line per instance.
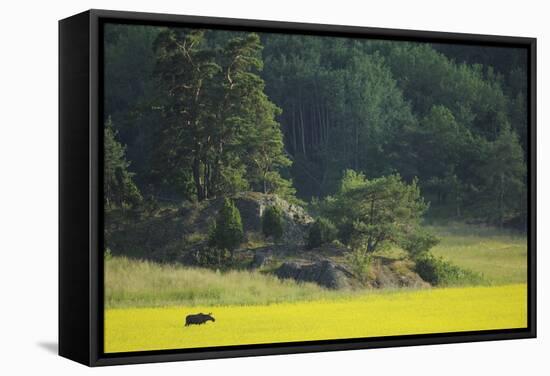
(370, 315)
(133, 283)
(501, 256)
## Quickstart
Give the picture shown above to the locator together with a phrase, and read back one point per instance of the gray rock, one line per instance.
(324, 272)
(252, 206)
(395, 274)
(260, 260)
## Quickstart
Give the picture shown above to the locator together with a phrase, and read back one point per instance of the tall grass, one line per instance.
(135, 283)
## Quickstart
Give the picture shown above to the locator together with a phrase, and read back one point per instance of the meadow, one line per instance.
(500, 255)
(146, 303)
(131, 283)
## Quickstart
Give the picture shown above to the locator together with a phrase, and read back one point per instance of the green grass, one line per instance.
(498, 255)
(134, 283)
(368, 315)
(501, 256)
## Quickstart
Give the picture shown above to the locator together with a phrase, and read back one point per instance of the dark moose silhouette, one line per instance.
(199, 319)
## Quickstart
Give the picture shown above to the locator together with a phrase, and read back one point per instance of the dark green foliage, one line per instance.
(212, 257)
(503, 172)
(439, 272)
(273, 223)
(118, 186)
(322, 231)
(227, 233)
(207, 113)
(374, 213)
(418, 242)
(509, 67)
(132, 101)
(341, 108)
(359, 262)
(219, 126)
(349, 110)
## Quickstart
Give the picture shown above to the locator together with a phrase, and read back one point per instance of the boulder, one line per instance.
(325, 273)
(395, 274)
(260, 260)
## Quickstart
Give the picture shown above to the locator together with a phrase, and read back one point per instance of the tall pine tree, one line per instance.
(118, 185)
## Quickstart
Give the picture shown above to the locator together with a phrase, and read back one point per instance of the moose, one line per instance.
(198, 319)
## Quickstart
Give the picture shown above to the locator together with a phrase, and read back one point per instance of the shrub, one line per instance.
(212, 257)
(322, 231)
(272, 223)
(359, 262)
(107, 254)
(227, 233)
(437, 271)
(419, 243)
(375, 213)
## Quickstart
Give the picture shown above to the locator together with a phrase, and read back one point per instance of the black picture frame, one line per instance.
(80, 187)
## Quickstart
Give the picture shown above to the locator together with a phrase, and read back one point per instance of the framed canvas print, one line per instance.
(237, 187)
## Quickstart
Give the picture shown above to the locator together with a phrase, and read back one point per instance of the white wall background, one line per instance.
(28, 186)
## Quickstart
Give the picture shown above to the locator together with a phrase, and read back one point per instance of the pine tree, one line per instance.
(186, 69)
(228, 231)
(504, 171)
(118, 185)
(222, 126)
(272, 223)
(371, 214)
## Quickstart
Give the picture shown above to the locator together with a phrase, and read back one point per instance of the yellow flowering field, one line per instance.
(370, 315)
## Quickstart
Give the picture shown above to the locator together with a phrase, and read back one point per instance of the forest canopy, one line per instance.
(207, 113)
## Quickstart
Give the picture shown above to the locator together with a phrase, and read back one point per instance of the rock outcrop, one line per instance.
(394, 274)
(325, 273)
(251, 205)
(169, 234)
(260, 260)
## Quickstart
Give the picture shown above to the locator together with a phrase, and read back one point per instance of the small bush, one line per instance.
(227, 233)
(107, 254)
(272, 223)
(419, 243)
(322, 231)
(359, 262)
(213, 258)
(345, 232)
(437, 271)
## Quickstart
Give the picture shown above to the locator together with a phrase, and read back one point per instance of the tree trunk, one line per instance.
(294, 135)
(197, 178)
(501, 202)
(206, 180)
(302, 131)
(327, 127)
(321, 126)
(356, 153)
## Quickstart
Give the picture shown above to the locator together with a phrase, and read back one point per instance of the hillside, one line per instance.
(180, 235)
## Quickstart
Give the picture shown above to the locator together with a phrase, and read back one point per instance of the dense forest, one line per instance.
(197, 114)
